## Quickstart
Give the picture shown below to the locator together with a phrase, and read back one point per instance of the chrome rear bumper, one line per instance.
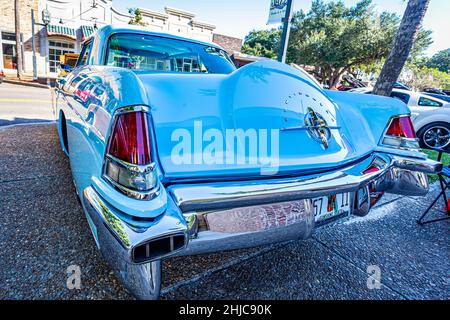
(234, 194)
(231, 215)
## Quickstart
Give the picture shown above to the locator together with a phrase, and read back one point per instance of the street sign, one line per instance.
(277, 11)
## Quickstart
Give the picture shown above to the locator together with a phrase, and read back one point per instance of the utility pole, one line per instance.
(286, 32)
(33, 44)
(18, 42)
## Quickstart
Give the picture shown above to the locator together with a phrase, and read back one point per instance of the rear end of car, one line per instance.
(169, 186)
(216, 214)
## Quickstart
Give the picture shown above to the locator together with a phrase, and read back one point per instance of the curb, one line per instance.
(40, 123)
(25, 83)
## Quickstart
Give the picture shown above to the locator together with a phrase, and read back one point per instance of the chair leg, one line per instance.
(435, 220)
(444, 186)
(429, 208)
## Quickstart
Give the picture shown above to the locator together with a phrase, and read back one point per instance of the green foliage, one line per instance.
(137, 17)
(264, 43)
(337, 39)
(421, 44)
(441, 61)
(422, 77)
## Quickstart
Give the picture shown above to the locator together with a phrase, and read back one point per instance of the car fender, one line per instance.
(368, 113)
(424, 118)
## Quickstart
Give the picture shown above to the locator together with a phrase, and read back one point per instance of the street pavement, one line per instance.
(24, 104)
(43, 231)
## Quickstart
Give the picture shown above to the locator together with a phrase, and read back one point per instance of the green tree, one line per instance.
(137, 17)
(337, 38)
(264, 43)
(440, 60)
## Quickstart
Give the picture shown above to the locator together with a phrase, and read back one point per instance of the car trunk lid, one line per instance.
(263, 119)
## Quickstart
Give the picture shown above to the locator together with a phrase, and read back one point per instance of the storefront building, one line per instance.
(8, 49)
(62, 26)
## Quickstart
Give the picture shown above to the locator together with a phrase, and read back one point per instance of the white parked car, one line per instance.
(431, 116)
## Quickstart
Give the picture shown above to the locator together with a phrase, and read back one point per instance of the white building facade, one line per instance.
(72, 21)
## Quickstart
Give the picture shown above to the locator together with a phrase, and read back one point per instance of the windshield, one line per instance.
(153, 53)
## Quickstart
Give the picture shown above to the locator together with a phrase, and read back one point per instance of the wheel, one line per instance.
(435, 135)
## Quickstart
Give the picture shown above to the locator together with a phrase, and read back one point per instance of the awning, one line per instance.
(55, 30)
(87, 31)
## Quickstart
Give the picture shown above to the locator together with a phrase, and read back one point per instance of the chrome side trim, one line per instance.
(129, 109)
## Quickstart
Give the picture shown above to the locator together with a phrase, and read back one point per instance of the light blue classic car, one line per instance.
(175, 152)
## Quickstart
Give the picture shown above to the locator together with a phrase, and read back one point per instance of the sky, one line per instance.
(238, 17)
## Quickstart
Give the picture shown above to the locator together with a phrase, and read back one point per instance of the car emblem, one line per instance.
(317, 127)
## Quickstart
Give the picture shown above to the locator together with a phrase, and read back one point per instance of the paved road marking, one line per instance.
(26, 100)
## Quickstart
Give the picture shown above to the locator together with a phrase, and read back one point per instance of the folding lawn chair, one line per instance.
(444, 181)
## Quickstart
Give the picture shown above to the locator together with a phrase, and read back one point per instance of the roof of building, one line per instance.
(110, 29)
(182, 13)
(196, 23)
(150, 13)
(247, 57)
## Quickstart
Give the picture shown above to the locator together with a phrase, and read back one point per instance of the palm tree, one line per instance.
(18, 44)
(404, 40)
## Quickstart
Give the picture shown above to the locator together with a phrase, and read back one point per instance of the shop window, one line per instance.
(9, 56)
(57, 48)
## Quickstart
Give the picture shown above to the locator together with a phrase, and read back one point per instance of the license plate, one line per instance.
(328, 207)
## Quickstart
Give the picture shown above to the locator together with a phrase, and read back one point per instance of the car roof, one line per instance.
(410, 93)
(108, 30)
(419, 95)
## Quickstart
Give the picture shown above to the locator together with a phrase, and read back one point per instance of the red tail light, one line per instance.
(371, 169)
(128, 163)
(401, 127)
(130, 141)
(400, 134)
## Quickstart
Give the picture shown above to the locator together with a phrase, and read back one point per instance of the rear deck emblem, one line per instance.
(317, 127)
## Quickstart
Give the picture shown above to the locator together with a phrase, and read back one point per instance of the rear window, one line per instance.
(425, 102)
(401, 96)
(159, 54)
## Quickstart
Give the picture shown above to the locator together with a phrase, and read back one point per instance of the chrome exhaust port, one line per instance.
(157, 248)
